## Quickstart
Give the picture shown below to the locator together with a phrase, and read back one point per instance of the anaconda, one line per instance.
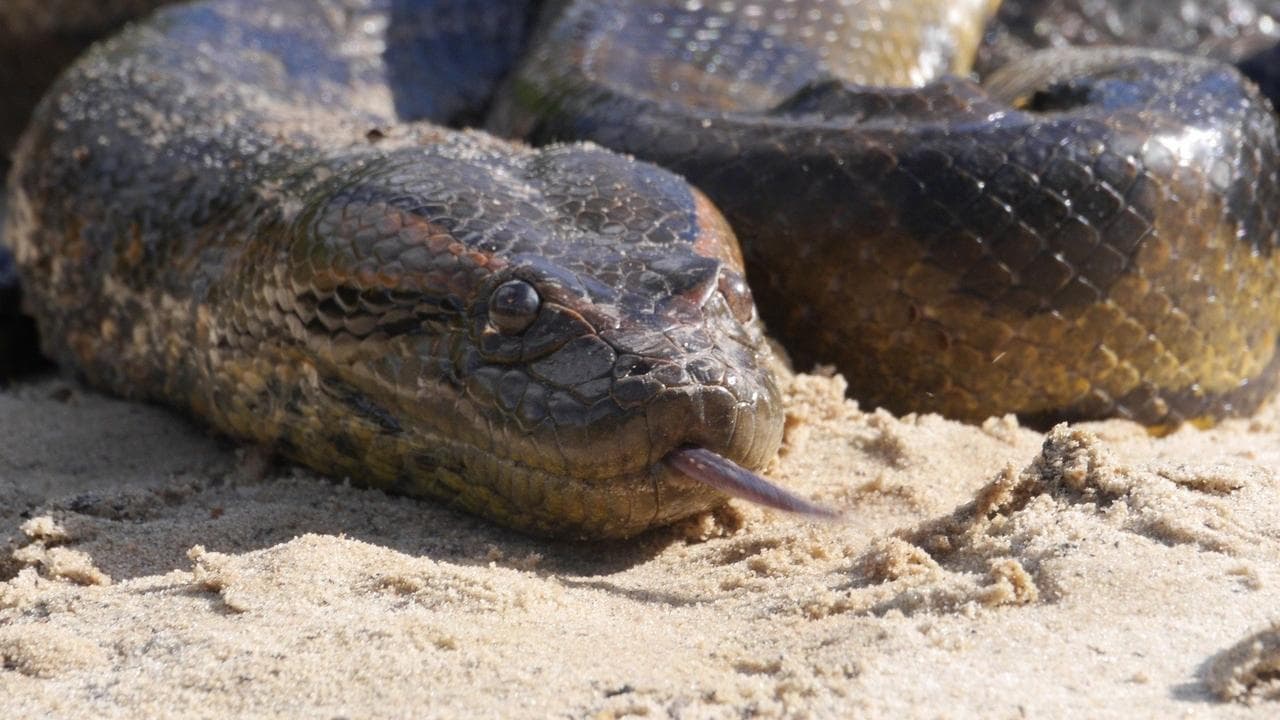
(1088, 233)
(246, 210)
(37, 39)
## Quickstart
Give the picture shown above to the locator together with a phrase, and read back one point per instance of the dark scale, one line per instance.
(1080, 234)
(244, 210)
(257, 212)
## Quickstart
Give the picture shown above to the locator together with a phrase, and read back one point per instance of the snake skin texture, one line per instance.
(1091, 234)
(1243, 32)
(240, 209)
(1229, 30)
(38, 38)
(257, 212)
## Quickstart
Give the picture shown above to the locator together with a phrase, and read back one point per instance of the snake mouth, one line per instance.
(715, 470)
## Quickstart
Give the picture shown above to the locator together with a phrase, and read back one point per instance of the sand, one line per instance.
(149, 568)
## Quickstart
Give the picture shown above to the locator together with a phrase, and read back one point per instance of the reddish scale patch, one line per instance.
(715, 237)
(459, 274)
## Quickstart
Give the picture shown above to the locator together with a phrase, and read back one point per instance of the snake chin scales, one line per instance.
(525, 334)
(259, 212)
(533, 356)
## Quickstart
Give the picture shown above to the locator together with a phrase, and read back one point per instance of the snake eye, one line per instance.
(513, 306)
(734, 288)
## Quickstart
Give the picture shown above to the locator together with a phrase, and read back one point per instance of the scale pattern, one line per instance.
(1091, 234)
(244, 209)
(255, 211)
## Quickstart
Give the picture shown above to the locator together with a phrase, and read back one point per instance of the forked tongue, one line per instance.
(734, 480)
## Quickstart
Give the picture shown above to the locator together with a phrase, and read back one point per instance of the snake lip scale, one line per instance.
(530, 335)
(257, 212)
(1087, 233)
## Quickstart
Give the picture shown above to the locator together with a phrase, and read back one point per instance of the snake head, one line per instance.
(537, 334)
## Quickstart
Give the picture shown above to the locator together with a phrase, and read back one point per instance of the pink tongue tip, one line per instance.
(734, 480)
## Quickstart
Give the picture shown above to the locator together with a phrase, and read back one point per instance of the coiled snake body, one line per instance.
(244, 209)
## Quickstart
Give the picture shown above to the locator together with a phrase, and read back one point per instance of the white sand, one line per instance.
(150, 569)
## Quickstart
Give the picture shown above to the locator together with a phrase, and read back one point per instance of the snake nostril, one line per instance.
(736, 293)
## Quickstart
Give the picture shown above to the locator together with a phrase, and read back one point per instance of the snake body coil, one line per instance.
(1090, 233)
(231, 208)
(245, 209)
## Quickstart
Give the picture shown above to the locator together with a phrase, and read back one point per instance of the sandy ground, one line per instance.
(149, 568)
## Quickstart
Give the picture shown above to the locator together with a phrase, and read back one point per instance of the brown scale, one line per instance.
(244, 210)
(1089, 234)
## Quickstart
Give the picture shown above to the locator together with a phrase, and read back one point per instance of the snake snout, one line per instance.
(706, 463)
(711, 415)
(743, 425)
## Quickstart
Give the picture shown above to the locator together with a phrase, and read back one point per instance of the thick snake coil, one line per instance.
(244, 209)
